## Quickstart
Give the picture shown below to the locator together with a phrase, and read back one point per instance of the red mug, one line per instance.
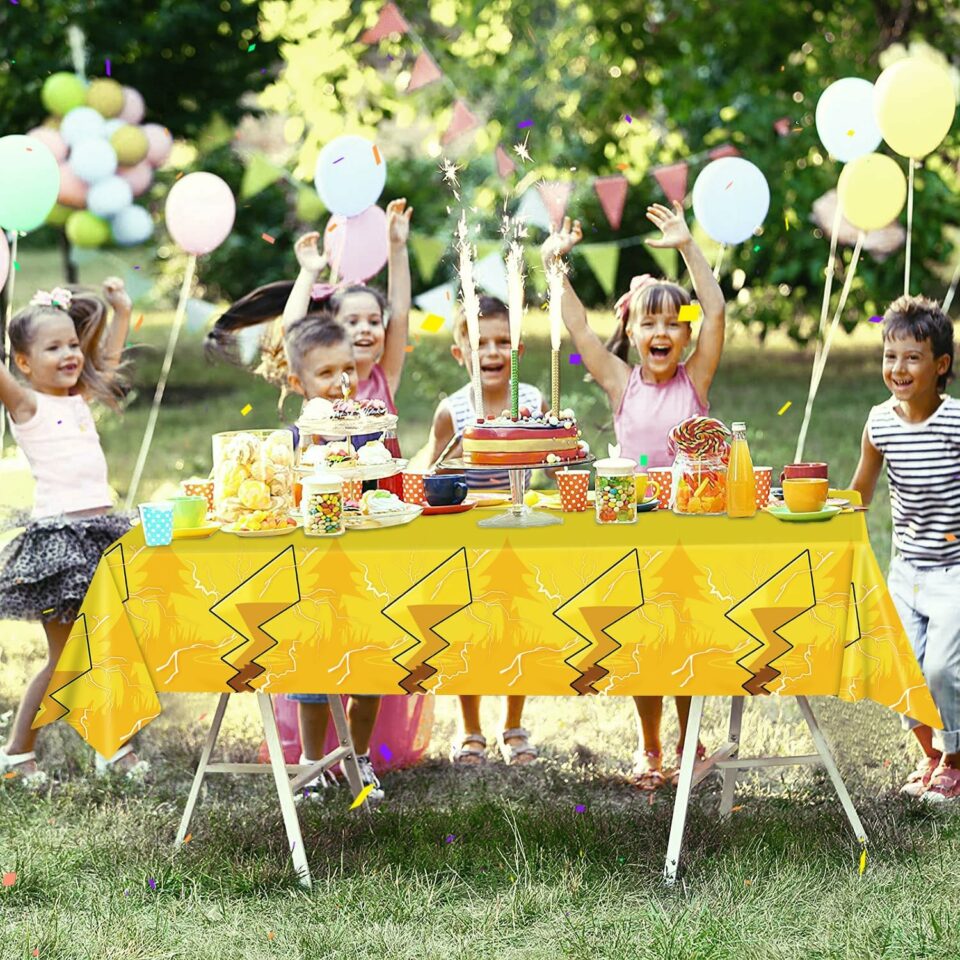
(793, 471)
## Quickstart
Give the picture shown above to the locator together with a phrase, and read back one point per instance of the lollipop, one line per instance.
(700, 438)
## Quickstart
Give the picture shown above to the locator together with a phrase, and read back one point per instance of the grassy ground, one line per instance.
(525, 874)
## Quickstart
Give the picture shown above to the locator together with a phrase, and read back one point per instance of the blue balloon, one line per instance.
(93, 160)
(132, 225)
(109, 196)
(82, 123)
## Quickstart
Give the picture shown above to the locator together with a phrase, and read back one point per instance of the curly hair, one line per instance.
(922, 319)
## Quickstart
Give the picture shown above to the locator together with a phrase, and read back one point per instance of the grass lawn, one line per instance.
(525, 874)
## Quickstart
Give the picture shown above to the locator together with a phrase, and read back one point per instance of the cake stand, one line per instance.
(518, 514)
(356, 427)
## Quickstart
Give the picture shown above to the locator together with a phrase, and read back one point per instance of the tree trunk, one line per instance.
(70, 272)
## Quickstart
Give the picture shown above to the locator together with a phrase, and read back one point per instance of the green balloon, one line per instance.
(62, 92)
(86, 229)
(29, 182)
(59, 215)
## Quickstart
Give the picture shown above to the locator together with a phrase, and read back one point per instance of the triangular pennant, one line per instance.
(535, 274)
(486, 247)
(727, 150)
(603, 259)
(461, 122)
(555, 195)
(664, 257)
(428, 251)
(532, 210)
(673, 180)
(490, 274)
(215, 134)
(259, 175)
(424, 72)
(389, 21)
(310, 207)
(612, 193)
(505, 166)
(440, 300)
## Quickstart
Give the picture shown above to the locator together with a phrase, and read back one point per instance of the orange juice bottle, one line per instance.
(741, 485)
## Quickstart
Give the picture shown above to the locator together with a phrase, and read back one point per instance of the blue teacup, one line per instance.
(445, 489)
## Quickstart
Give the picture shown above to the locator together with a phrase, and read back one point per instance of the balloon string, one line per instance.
(162, 382)
(948, 299)
(719, 263)
(11, 283)
(906, 268)
(818, 372)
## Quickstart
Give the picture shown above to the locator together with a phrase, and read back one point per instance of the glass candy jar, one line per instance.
(615, 490)
(322, 505)
(699, 485)
(253, 477)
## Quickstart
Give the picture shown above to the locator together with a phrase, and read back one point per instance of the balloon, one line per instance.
(356, 247)
(161, 143)
(59, 215)
(86, 229)
(914, 105)
(872, 190)
(730, 199)
(131, 226)
(109, 196)
(52, 140)
(29, 182)
(62, 92)
(73, 190)
(133, 106)
(93, 160)
(112, 126)
(4, 259)
(131, 145)
(845, 120)
(139, 177)
(200, 211)
(350, 175)
(105, 96)
(83, 123)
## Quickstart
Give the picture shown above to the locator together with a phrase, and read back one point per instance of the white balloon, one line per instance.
(350, 175)
(132, 225)
(82, 123)
(730, 199)
(845, 120)
(93, 160)
(113, 125)
(109, 196)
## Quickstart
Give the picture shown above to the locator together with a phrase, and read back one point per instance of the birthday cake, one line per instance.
(530, 439)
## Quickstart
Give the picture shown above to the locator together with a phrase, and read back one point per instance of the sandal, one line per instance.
(701, 755)
(9, 763)
(918, 781)
(105, 765)
(944, 787)
(646, 776)
(517, 754)
(470, 751)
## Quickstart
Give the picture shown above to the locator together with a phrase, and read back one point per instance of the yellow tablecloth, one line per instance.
(671, 605)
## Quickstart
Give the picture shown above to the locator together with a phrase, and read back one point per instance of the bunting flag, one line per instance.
(603, 259)
(424, 72)
(490, 274)
(535, 274)
(673, 180)
(462, 122)
(783, 126)
(259, 175)
(389, 21)
(486, 247)
(666, 258)
(727, 150)
(428, 251)
(505, 165)
(440, 300)
(310, 207)
(555, 195)
(533, 210)
(612, 193)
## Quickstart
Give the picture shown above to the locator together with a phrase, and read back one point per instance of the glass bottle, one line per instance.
(741, 483)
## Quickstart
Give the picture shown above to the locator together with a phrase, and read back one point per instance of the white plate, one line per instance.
(376, 471)
(280, 532)
(354, 520)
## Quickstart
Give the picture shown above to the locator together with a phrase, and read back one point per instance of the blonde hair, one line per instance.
(657, 296)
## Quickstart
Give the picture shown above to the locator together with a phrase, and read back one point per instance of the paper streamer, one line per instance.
(911, 164)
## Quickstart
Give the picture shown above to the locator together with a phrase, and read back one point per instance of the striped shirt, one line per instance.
(463, 413)
(923, 470)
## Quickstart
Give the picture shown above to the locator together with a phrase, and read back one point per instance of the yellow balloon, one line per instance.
(914, 103)
(872, 190)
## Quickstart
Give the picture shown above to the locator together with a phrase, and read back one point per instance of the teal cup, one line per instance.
(156, 519)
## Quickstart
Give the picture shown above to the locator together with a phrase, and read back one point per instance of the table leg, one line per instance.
(349, 762)
(287, 807)
(729, 774)
(684, 786)
(826, 756)
(202, 768)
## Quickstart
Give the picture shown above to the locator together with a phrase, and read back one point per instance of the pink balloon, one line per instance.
(356, 247)
(133, 107)
(200, 211)
(4, 259)
(52, 139)
(161, 143)
(139, 177)
(73, 190)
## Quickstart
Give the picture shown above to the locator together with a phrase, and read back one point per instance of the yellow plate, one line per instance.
(196, 533)
(281, 532)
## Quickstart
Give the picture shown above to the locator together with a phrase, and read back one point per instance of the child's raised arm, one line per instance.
(119, 300)
(868, 469)
(20, 401)
(703, 362)
(607, 369)
(311, 262)
(398, 292)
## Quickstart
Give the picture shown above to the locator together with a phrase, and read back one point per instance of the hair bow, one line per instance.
(322, 291)
(57, 297)
(622, 306)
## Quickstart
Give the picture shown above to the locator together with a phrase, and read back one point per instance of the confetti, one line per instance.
(152, 883)
(16, 265)
(449, 838)
(246, 409)
(784, 408)
(251, 48)
(950, 537)
(338, 159)
(408, 348)
(643, 459)
(188, 838)
(523, 124)
(689, 312)
(623, 166)
(48, 610)
(139, 322)
(376, 155)
(628, 118)
(756, 248)
(736, 808)
(10, 775)
(331, 228)
(850, 133)
(361, 796)
(268, 238)
(36, 952)
(876, 319)
(729, 185)
(580, 807)
(107, 67)
(863, 860)
(270, 934)
(432, 323)
(59, 422)
(385, 751)
(574, 358)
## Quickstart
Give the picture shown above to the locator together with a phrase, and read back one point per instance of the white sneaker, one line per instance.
(368, 776)
(316, 788)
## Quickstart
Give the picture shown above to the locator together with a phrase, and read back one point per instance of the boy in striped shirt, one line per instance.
(917, 434)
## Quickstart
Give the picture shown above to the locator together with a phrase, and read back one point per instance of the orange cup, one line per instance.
(664, 480)
(413, 491)
(763, 477)
(573, 486)
(199, 488)
(352, 490)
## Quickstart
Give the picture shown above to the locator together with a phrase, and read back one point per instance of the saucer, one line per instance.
(467, 504)
(782, 513)
(196, 533)
(647, 506)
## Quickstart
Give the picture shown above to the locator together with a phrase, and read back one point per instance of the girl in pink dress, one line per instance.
(651, 397)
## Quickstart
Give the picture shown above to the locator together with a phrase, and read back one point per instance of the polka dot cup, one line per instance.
(156, 519)
(413, 491)
(352, 490)
(199, 488)
(664, 480)
(763, 477)
(573, 486)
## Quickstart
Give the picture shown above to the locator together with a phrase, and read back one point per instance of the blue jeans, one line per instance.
(928, 601)
(322, 697)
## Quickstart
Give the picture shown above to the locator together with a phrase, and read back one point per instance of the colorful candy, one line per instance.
(700, 438)
(323, 514)
(616, 499)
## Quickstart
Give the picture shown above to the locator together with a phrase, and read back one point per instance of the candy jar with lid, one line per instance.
(322, 504)
(616, 488)
(699, 485)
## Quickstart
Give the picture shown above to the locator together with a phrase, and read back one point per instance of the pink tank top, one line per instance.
(61, 442)
(375, 387)
(648, 411)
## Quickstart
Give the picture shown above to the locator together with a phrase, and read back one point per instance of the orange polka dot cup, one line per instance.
(763, 477)
(352, 490)
(664, 480)
(573, 486)
(199, 488)
(413, 491)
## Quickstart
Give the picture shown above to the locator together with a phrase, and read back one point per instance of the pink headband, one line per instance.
(622, 307)
(57, 297)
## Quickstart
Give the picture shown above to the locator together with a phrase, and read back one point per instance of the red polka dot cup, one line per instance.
(573, 486)
(763, 477)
